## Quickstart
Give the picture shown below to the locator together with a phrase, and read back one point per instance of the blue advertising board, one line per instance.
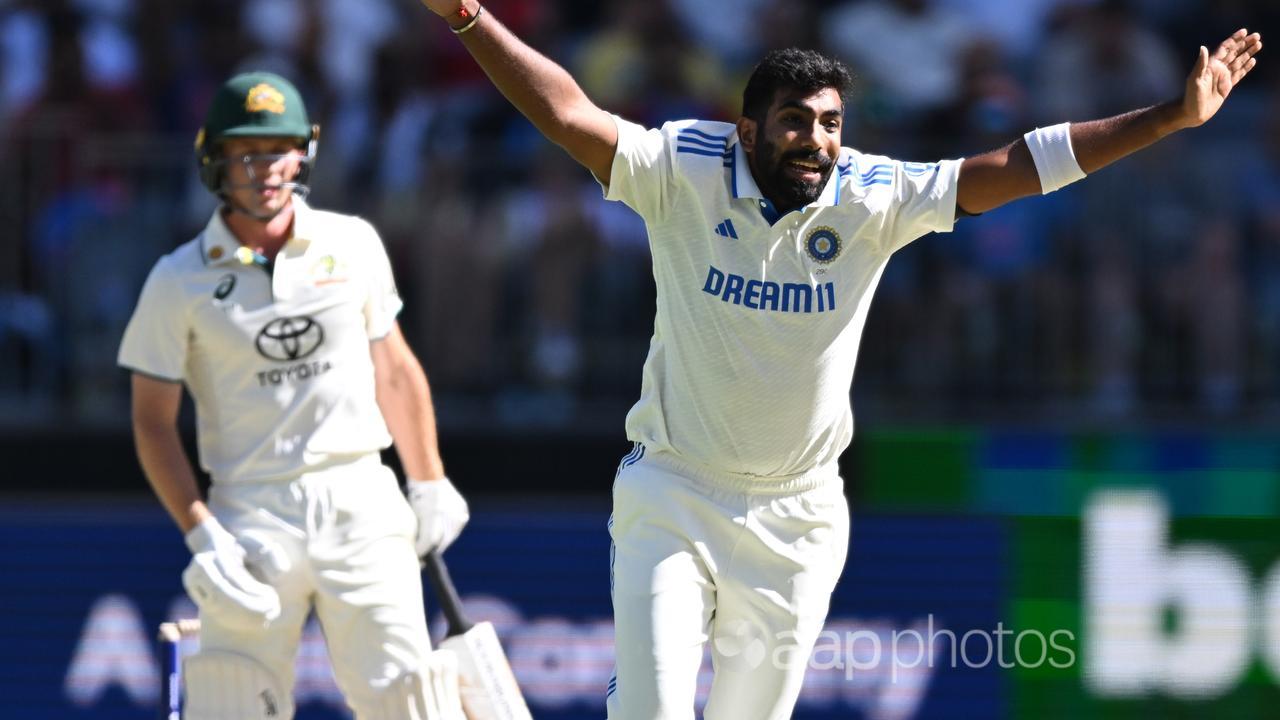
(84, 587)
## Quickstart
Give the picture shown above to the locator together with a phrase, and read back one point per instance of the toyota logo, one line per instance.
(289, 338)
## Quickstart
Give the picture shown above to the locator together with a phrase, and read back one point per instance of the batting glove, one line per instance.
(220, 583)
(442, 512)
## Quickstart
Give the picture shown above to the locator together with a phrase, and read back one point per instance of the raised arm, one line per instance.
(539, 88)
(992, 179)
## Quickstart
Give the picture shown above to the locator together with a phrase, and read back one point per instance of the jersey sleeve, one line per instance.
(383, 303)
(924, 200)
(643, 172)
(157, 337)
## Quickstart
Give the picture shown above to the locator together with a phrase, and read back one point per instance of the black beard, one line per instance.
(786, 193)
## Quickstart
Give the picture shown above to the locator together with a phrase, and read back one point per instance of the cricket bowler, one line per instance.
(280, 320)
(768, 239)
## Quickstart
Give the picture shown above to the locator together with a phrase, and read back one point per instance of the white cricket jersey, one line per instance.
(278, 362)
(757, 326)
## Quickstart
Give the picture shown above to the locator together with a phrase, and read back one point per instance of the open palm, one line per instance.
(1214, 76)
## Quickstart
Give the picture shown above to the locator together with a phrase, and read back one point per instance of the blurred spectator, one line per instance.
(92, 242)
(1259, 204)
(778, 24)
(727, 27)
(909, 48)
(29, 351)
(352, 33)
(24, 67)
(453, 288)
(610, 63)
(552, 245)
(108, 44)
(990, 107)
(280, 30)
(1018, 25)
(1214, 301)
(1112, 330)
(784, 23)
(644, 67)
(1102, 63)
(526, 293)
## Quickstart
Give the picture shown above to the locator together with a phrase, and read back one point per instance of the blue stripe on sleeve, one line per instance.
(880, 175)
(635, 456)
(703, 143)
(877, 170)
(699, 151)
(708, 136)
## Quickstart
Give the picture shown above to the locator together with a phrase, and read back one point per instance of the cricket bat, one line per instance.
(487, 685)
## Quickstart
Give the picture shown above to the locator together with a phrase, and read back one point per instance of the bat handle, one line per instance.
(450, 603)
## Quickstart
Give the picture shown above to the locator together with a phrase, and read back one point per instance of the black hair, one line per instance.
(792, 69)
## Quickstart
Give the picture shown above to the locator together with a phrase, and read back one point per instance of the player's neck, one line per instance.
(265, 238)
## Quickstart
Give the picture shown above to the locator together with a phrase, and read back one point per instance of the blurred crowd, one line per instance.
(1149, 292)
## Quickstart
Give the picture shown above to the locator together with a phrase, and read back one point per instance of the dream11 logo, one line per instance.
(1133, 578)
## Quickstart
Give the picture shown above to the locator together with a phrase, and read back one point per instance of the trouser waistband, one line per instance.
(812, 479)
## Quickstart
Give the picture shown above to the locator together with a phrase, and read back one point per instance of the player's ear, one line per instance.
(747, 129)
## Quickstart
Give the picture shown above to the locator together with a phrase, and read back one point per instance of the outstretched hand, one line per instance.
(1215, 75)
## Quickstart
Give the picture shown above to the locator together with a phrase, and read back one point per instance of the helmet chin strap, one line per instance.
(298, 191)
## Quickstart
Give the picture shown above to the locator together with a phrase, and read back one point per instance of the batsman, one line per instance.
(280, 321)
(768, 238)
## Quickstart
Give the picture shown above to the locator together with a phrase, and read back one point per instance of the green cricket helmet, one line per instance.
(254, 104)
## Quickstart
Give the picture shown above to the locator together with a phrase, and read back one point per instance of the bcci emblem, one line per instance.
(263, 97)
(823, 244)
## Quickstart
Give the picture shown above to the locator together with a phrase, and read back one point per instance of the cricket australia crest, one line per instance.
(263, 97)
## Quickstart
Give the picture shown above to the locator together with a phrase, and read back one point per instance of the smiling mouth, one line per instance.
(805, 170)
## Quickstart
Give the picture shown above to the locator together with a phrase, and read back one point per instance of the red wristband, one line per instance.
(465, 19)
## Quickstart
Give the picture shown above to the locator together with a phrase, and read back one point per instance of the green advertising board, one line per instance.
(1158, 552)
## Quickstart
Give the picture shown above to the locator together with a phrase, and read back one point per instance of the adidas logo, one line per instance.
(725, 229)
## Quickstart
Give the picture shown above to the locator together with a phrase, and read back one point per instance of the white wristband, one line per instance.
(1055, 160)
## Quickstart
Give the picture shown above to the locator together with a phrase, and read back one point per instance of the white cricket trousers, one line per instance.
(349, 535)
(747, 563)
